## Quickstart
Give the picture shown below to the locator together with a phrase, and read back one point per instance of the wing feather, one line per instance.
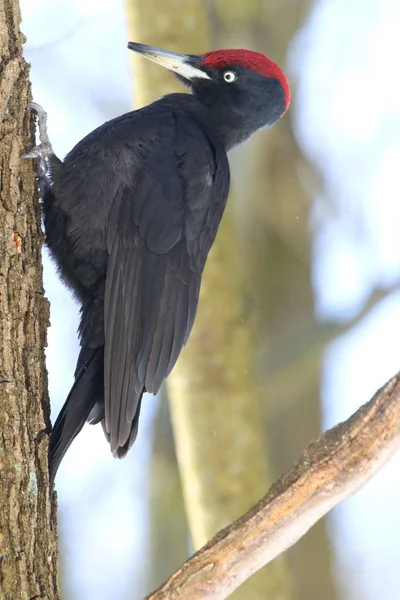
(159, 233)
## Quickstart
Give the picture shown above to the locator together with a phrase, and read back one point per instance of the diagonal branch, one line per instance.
(331, 469)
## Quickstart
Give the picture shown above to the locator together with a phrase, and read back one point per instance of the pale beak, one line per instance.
(187, 66)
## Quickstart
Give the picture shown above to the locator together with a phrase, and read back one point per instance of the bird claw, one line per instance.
(43, 150)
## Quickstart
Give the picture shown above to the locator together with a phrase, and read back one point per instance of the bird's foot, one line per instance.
(44, 149)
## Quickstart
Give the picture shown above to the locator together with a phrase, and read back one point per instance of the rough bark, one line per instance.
(28, 540)
(332, 468)
(214, 401)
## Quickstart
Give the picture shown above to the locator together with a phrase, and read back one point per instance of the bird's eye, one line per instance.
(229, 76)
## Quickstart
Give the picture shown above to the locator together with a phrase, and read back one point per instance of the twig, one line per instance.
(332, 468)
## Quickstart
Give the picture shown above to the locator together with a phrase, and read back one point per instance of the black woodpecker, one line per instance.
(130, 216)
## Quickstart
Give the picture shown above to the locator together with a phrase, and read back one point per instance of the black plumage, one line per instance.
(130, 216)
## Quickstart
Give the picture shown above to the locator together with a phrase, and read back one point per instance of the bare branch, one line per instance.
(332, 468)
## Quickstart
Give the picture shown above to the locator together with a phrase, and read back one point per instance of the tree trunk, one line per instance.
(215, 404)
(28, 539)
(168, 523)
(275, 223)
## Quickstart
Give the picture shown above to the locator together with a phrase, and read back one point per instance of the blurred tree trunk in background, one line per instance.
(275, 232)
(28, 538)
(214, 399)
(168, 524)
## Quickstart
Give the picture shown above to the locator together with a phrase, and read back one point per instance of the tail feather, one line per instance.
(121, 451)
(85, 402)
(88, 389)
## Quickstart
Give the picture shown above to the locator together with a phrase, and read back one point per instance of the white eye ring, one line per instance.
(229, 76)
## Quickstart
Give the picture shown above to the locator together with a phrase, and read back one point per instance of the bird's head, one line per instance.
(244, 90)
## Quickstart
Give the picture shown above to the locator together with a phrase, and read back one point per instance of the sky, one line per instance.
(347, 115)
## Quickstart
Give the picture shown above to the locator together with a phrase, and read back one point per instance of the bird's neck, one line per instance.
(216, 120)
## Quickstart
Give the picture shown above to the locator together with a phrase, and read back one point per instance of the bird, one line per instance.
(130, 216)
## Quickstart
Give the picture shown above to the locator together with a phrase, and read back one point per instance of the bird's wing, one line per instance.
(159, 233)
